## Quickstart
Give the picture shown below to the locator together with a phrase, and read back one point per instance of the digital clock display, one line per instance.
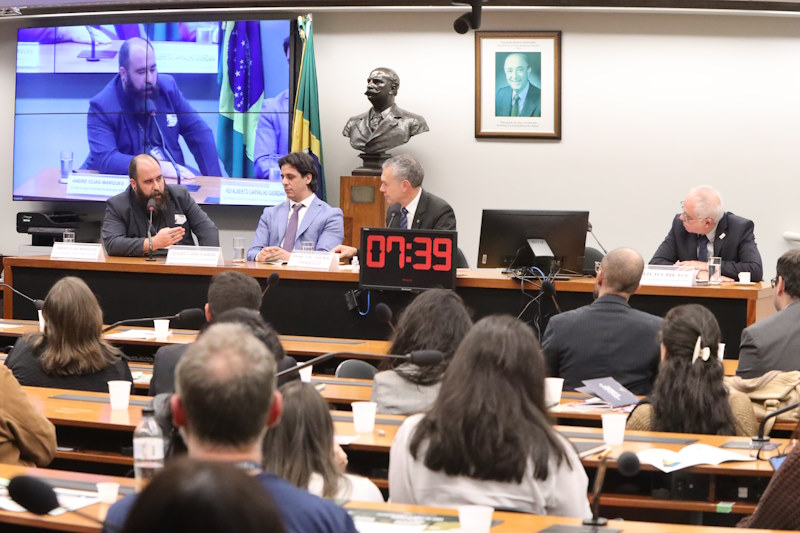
(407, 259)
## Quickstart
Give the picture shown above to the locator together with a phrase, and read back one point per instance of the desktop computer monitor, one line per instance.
(505, 234)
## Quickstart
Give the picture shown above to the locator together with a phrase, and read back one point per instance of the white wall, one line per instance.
(652, 104)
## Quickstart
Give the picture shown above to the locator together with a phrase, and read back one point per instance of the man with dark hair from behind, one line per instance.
(774, 343)
(607, 337)
(225, 400)
(229, 290)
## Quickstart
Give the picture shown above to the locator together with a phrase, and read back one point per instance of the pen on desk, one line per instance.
(602, 455)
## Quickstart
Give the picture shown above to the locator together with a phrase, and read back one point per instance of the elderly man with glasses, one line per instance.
(704, 229)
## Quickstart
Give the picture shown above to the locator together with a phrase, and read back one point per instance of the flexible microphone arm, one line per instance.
(151, 207)
(761, 438)
(589, 229)
(186, 313)
(151, 108)
(39, 304)
(417, 357)
(628, 465)
(93, 57)
(272, 281)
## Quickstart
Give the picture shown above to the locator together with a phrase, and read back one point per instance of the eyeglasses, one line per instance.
(685, 216)
(774, 281)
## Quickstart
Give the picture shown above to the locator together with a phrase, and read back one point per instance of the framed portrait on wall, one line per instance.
(518, 84)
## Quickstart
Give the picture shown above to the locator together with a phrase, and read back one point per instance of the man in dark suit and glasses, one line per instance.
(401, 183)
(607, 337)
(704, 229)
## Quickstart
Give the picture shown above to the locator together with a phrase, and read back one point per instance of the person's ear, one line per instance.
(133, 184)
(600, 277)
(178, 411)
(207, 309)
(307, 178)
(275, 410)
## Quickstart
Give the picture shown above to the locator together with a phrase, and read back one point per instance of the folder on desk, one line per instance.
(612, 391)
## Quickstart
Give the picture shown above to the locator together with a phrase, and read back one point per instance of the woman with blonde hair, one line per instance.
(70, 353)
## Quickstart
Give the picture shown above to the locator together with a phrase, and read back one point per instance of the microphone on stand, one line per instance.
(628, 465)
(384, 314)
(417, 357)
(549, 289)
(589, 229)
(93, 55)
(272, 281)
(150, 107)
(393, 212)
(38, 497)
(39, 304)
(151, 207)
(193, 315)
(760, 440)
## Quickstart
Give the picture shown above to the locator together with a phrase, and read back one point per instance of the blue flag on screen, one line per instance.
(241, 79)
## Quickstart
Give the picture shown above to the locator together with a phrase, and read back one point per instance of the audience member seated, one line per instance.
(689, 395)
(774, 342)
(228, 290)
(71, 353)
(434, 320)
(301, 449)
(203, 496)
(607, 337)
(26, 436)
(487, 439)
(224, 401)
(777, 508)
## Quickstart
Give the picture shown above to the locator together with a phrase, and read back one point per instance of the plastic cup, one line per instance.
(305, 374)
(552, 391)
(614, 428)
(364, 416)
(307, 246)
(68, 236)
(162, 328)
(119, 392)
(714, 270)
(238, 250)
(475, 518)
(66, 166)
(744, 277)
(108, 492)
(41, 321)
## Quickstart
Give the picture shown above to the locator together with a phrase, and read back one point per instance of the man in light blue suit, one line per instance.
(301, 218)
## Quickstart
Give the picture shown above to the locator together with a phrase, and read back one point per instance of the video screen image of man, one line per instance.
(517, 93)
(142, 112)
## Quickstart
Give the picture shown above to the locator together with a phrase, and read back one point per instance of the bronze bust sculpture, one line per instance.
(384, 126)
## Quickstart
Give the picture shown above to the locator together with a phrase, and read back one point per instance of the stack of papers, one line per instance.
(692, 455)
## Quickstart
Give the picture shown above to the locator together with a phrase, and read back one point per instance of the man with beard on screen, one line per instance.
(175, 218)
(142, 112)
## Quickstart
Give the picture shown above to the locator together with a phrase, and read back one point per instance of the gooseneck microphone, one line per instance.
(187, 315)
(384, 314)
(38, 497)
(150, 107)
(761, 439)
(93, 55)
(589, 229)
(39, 304)
(393, 211)
(151, 207)
(417, 357)
(272, 281)
(549, 289)
(628, 465)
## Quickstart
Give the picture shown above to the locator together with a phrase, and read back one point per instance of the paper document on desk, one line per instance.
(134, 334)
(69, 499)
(692, 455)
(9, 326)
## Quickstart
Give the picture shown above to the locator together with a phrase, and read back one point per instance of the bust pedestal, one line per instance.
(363, 205)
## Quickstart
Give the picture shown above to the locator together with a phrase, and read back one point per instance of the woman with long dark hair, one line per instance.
(300, 449)
(434, 320)
(487, 439)
(689, 395)
(71, 352)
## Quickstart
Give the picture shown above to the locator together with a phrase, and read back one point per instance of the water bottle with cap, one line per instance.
(354, 264)
(148, 449)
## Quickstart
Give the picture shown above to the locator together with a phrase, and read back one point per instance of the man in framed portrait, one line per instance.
(520, 98)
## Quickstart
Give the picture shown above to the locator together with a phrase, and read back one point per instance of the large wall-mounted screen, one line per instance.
(209, 100)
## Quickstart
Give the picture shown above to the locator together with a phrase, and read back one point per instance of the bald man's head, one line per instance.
(622, 270)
